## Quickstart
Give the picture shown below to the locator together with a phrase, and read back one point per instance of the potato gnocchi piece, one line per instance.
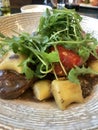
(94, 65)
(42, 89)
(66, 92)
(11, 61)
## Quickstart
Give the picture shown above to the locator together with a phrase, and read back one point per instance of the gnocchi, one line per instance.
(42, 90)
(94, 65)
(66, 92)
(11, 61)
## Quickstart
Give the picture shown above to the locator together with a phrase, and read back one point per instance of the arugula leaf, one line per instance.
(2, 35)
(52, 56)
(75, 72)
(84, 53)
(26, 69)
(56, 27)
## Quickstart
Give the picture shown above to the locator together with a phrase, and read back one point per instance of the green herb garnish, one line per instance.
(56, 27)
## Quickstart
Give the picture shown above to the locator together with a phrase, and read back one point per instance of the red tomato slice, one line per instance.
(69, 59)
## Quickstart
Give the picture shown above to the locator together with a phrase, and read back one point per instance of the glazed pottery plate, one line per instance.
(25, 113)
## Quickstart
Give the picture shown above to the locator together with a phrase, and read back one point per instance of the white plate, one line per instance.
(34, 8)
(26, 114)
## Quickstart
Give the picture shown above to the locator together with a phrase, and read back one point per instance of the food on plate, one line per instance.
(57, 61)
(42, 89)
(12, 84)
(66, 92)
(68, 59)
(94, 65)
(11, 60)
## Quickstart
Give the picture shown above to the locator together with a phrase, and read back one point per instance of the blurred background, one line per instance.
(87, 7)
